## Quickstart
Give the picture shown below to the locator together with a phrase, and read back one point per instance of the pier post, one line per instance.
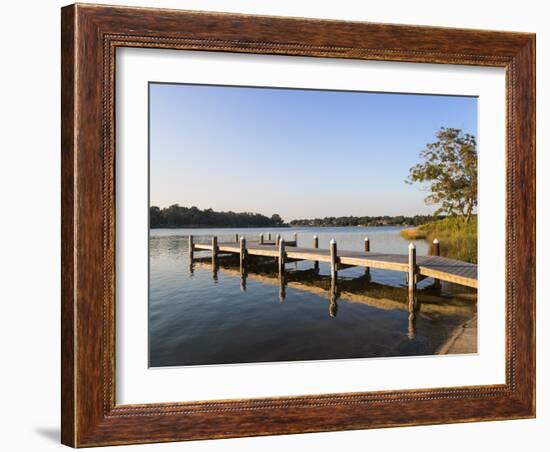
(191, 249)
(215, 258)
(237, 237)
(191, 256)
(269, 236)
(333, 260)
(277, 238)
(214, 249)
(367, 250)
(281, 257)
(295, 239)
(316, 245)
(412, 277)
(261, 239)
(435, 252)
(242, 255)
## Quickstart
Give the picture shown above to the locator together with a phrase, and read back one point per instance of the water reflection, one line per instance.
(333, 307)
(282, 287)
(359, 289)
(222, 310)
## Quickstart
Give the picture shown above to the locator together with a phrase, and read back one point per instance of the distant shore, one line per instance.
(213, 226)
(220, 226)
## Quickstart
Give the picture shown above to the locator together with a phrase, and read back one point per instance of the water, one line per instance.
(199, 316)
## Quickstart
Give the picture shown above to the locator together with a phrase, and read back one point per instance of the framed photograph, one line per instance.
(281, 225)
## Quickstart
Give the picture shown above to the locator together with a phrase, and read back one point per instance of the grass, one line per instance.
(457, 240)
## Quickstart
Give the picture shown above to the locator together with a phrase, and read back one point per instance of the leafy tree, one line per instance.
(276, 219)
(450, 168)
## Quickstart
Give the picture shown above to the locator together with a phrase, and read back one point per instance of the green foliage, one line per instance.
(176, 216)
(450, 168)
(457, 240)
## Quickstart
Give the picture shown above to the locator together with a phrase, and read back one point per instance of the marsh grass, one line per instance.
(457, 240)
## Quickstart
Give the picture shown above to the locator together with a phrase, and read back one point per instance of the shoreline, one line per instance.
(462, 340)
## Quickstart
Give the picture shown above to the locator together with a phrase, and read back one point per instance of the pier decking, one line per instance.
(437, 267)
(416, 268)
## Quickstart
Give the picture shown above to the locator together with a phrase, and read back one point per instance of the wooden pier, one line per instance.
(416, 268)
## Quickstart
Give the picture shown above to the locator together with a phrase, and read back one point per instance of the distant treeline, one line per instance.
(177, 216)
(399, 220)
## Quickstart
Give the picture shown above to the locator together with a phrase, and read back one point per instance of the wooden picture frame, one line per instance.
(90, 36)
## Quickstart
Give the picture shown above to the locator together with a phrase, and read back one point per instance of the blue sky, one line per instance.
(298, 153)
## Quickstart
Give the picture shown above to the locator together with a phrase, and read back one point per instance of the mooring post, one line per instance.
(412, 277)
(435, 252)
(242, 255)
(214, 249)
(295, 239)
(269, 236)
(316, 245)
(191, 249)
(333, 260)
(215, 258)
(367, 250)
(237, 237)
(261, 239)
(277, 238)
(281, 257)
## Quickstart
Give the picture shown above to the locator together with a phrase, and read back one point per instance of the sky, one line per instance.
(298, 153)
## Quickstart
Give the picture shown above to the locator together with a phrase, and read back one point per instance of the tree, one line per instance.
(450, 169)
(276, 219)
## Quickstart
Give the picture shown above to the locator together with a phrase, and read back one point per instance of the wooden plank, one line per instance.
(374, 263)
(449, 277)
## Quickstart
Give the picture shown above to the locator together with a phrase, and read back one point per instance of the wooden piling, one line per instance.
(261, 239)
(281, 257)
(295, 239)
(269, 236)
(367, 250)
(412, 277)
(333, 260)
(236, 237)
(214, 250)
(191, 249)
(435, 252)
(316, 245)
(242, 255)
(277, 239)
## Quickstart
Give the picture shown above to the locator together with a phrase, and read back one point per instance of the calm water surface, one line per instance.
(199, 317)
